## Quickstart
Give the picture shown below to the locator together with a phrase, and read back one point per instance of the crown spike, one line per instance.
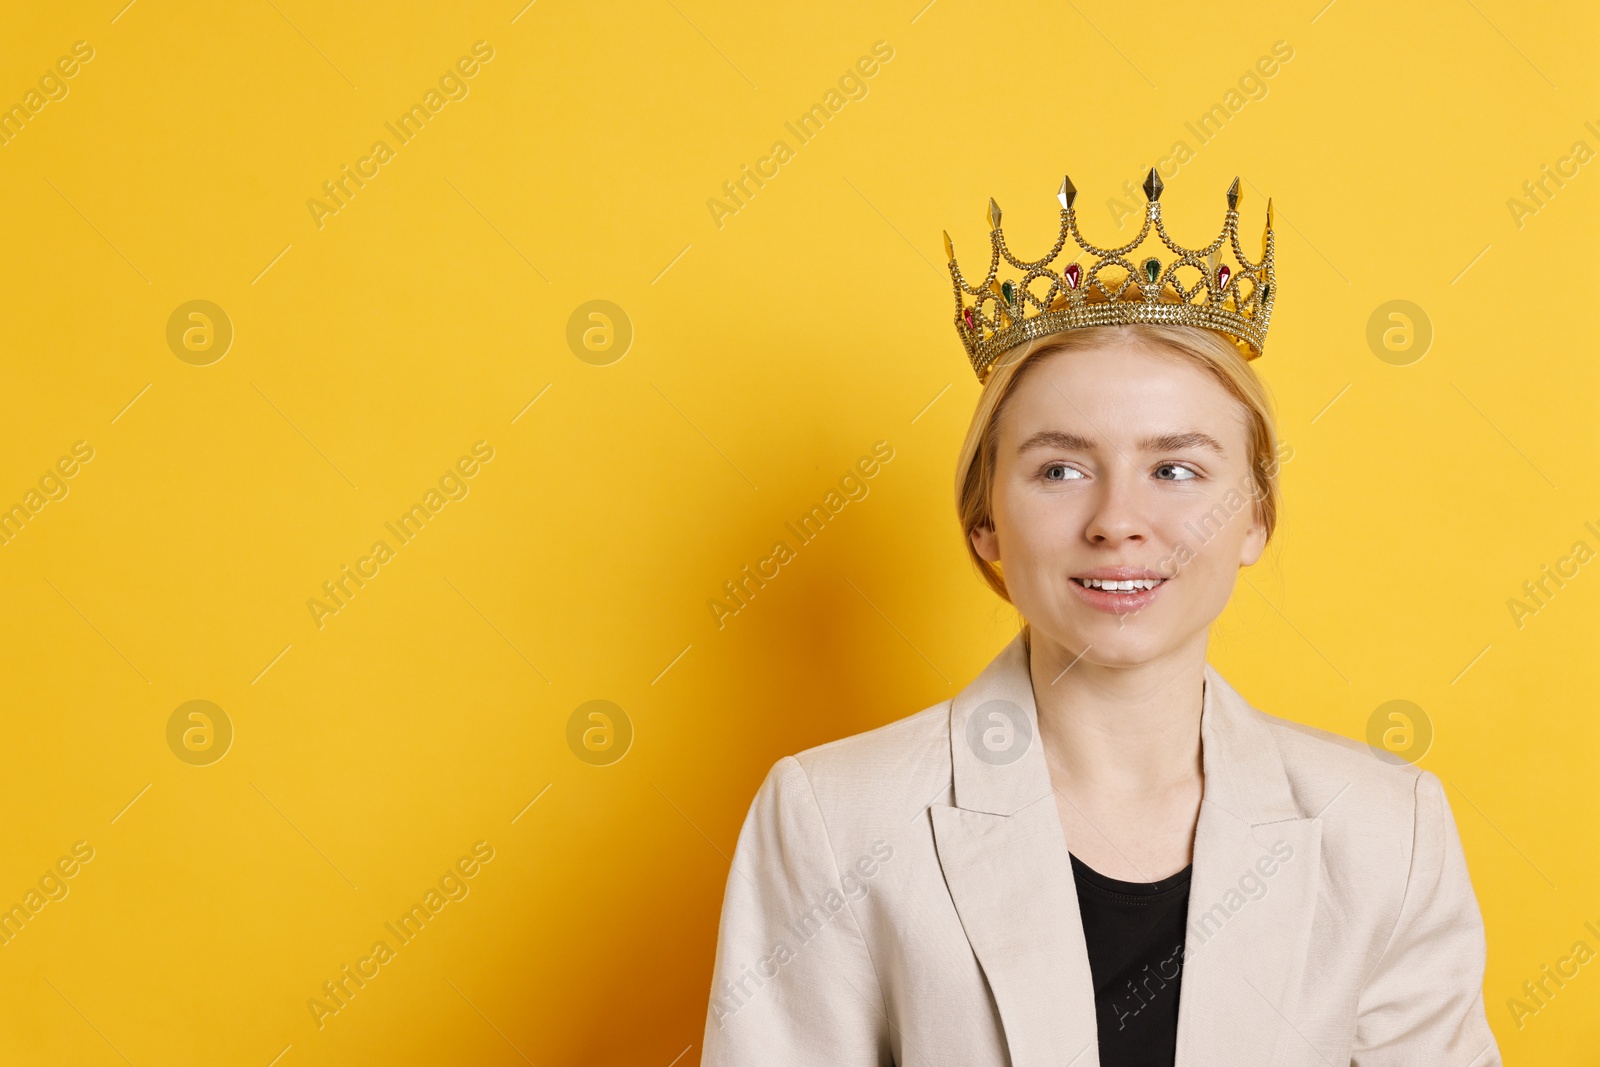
(1232, 298)
(1067, 194)
(1153, 186)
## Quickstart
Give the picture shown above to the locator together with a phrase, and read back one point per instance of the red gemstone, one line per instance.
(1073, 274)
(966, 316)
(1223, 273)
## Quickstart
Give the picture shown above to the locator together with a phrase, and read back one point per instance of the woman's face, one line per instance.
(1118, 465)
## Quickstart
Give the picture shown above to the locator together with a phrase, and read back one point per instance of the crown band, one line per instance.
(1189, 287)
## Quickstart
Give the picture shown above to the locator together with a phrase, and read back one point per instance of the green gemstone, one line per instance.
(1152, 269)
(1008, 291)
(1266, 293)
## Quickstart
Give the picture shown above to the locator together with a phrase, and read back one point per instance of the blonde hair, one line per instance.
(1207, 349)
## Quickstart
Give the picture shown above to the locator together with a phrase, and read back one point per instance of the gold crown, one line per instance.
(1187, 287)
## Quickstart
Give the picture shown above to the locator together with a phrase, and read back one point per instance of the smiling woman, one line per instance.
(1082, 835)
(1141, 377)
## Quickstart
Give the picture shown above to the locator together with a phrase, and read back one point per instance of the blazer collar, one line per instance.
(1005, 862)
(1000, 772)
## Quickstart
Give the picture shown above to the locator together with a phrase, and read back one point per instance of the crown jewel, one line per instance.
(1169, 284)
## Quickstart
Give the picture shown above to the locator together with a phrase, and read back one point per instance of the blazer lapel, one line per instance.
(1252, 896)
(1005, 862)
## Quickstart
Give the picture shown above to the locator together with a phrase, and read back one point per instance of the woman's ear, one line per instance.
(985, 542)
(1255, 540)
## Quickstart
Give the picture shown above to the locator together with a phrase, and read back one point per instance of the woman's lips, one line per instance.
(1120, 602)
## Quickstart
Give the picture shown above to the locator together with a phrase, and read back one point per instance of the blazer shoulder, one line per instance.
(1321, 765)
(884, 769)
(1390, 847)
(1372, 806)
(1312, 755)
(919, 731)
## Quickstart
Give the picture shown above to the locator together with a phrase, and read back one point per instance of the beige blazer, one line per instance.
(905, 896)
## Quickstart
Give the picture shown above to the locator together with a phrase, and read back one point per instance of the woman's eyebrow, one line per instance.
(1166, 442)
(1057, 439)
(1173, 442)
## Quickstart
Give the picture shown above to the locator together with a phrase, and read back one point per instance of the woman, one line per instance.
(1099, 852)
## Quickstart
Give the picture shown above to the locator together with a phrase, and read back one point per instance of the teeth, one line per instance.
(1129, 586)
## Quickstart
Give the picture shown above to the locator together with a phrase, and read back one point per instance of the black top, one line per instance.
(1134, 932)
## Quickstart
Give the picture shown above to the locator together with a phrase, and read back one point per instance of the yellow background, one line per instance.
(768, 355)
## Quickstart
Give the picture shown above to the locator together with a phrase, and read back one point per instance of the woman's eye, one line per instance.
(1171, 472)
(1060, 472)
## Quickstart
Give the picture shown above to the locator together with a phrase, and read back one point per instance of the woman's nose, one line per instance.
(1119, 514)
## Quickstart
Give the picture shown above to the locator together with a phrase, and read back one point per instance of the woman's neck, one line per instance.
(1123, 731)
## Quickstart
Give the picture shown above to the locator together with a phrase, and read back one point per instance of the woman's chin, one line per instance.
(1131, 644)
